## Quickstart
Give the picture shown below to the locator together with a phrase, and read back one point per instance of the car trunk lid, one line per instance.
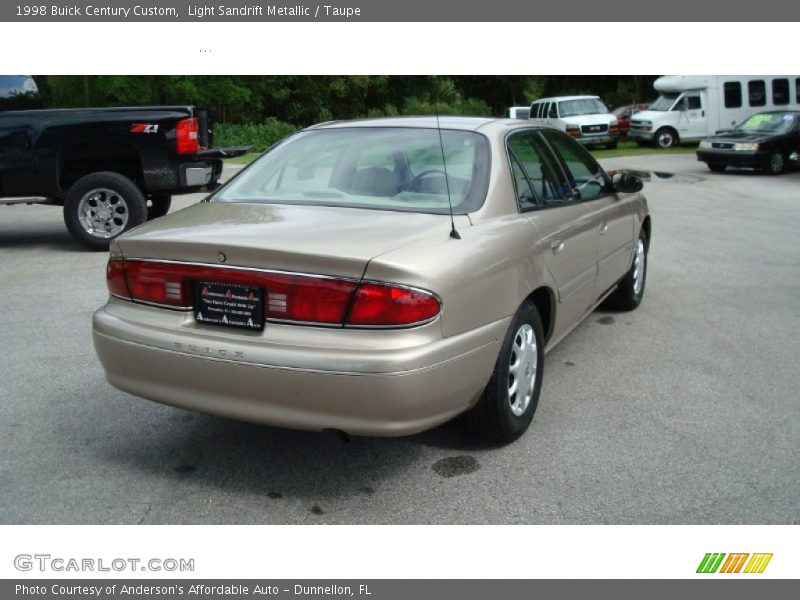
(320, 240)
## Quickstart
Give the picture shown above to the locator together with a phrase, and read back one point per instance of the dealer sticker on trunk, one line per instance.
(229, 304)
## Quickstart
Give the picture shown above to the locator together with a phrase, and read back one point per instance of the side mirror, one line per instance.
(626, 183)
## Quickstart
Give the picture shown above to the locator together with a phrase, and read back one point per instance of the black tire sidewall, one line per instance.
(510, 426)
(160, 204)
(134, 199)
(769, 165)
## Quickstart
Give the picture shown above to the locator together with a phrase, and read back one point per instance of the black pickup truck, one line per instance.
(110, 168)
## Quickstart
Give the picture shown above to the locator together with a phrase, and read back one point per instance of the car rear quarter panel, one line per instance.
(484, 276)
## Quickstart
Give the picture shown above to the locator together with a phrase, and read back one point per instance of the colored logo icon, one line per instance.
(719, 562)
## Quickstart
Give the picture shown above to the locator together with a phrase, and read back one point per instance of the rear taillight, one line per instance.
(382, 305)
(288, 297)
(115, 278)
(186, 136)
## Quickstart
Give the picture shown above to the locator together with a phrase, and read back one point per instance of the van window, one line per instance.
(733, 94)
(539, 109)
(780, 92)
(757, 92)
(694, 103)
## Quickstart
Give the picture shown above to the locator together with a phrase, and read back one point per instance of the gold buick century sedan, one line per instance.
(376, 277)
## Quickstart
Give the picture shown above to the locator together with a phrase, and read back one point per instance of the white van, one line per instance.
(518, 112)
(584, 118)
(693, 107)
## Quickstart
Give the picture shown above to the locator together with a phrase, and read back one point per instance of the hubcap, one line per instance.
(638, 268)
(522, 370)
(103, 213)
(665, 140)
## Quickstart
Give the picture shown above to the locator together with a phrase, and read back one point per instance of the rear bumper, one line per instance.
(279, 378)
(730, 158)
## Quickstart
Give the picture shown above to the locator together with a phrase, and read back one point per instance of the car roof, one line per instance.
(422, 122)
(778, 111)
(487, 125)
(561, 98)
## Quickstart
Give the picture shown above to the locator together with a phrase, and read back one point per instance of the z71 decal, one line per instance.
(144, 128)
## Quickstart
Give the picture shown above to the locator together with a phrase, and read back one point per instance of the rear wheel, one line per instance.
(630, 292)
(776, 163)
(506, 408)
(100, 206)
(158, 206)
(716, 167)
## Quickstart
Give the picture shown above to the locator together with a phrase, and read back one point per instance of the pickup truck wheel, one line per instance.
(611, 145)
(158, 206)
(630, 292)
(506, 408)
(100, 206)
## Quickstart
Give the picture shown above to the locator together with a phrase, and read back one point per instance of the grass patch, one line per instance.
(629, 148)
(244, 159)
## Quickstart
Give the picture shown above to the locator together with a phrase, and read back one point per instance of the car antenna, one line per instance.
(453, 233)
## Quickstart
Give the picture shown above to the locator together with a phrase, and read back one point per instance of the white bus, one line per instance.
(693, 107)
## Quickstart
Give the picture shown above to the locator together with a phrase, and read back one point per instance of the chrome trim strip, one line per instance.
(238, 268)
(294, 273)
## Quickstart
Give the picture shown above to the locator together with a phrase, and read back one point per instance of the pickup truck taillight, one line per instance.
(186, 136)
(288, 297)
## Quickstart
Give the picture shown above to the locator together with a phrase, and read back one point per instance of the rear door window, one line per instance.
(538, 178)
(587, 176)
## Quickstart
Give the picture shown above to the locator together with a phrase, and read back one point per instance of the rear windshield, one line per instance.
(777, 122)
(584, 106)
(370, 167)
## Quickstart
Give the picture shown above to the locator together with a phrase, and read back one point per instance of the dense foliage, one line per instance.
(255, 109)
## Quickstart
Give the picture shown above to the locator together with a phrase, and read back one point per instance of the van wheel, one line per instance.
(776, 163)
(506, 408)
(158, 206)
(100, 206)
(666, 137)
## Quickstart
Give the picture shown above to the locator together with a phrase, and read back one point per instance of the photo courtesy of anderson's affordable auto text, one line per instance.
(260, 272)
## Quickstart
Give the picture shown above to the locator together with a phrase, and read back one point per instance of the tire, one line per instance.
(611, 146)
(776, 163)
(121, 206)
(666, 138)
(500, 416)
(630, 292)
(158, 206)
(643, 143)
(717, 167)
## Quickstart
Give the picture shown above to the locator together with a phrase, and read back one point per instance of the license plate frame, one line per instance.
(233, 305)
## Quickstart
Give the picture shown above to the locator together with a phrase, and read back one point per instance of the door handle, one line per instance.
(603, 228)
(556, 246)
